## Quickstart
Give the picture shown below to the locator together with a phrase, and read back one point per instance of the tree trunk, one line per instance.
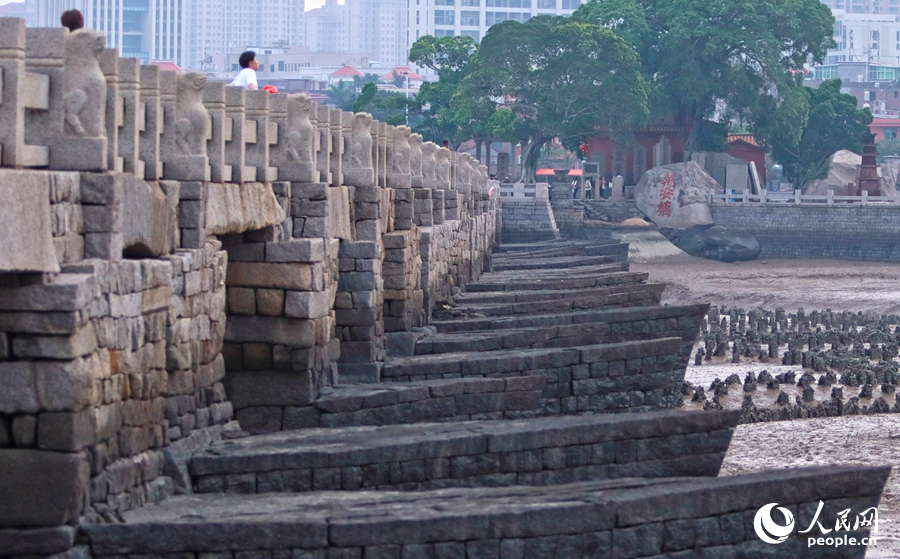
(478, 151)
(487, 162)
(530, 158)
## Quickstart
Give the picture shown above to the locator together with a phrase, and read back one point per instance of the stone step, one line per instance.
(461, 399)
(588, 249)
(639, 295)
(538, 451)
(633, 376)
(633, 518)
(566, 329)
(530, 296)
(616, 274)
(557, 263)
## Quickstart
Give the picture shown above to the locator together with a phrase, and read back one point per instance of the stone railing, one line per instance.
(537, 191)
(796, 198)
(176, 254)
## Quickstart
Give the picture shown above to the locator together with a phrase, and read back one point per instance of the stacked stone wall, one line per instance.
(844, 231)
(177, 254)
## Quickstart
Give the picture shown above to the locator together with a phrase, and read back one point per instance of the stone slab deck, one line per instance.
(572, 249)
(513, 282)
(415, 402)
(555, 263)
(526, 296)
(640, 295)
(475, 453)
(630, 376)
(662, 518)
(567, 329)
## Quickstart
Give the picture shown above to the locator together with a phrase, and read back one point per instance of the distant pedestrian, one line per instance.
(445, 144)
(72, 19)
(246, 78)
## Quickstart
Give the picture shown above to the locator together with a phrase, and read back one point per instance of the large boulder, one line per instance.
(715, 242)
(675, 195)
(844, 169)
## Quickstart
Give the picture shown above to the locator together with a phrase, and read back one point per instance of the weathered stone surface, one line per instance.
(233, 208)
(37, 541)
(148, 219)
(676, 195)
(843, 171)
(40, 488)
(31, 386)
(715, 242)
(25, 224)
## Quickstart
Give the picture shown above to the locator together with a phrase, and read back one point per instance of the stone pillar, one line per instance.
(335, 124)
(150, 120)
(256, 125)
(235, 145)
(109, 65)
(220, 131)
(278, 132)
(12, 91)
(44, 56)
(323, 147)
(130, 106)
(382, 169)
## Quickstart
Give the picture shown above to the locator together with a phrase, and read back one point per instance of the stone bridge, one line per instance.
(240, 325)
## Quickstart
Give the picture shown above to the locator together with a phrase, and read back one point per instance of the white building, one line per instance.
(473, 18)
(378, 28)
(872, 38)
(186, 32)
(145, 29)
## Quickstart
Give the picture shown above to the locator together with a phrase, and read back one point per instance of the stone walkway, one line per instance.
(487, 421)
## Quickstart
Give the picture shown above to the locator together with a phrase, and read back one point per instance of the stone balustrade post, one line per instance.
(45, 56)
(323, 151)
(150, 123)
(130, 106)
(335, 124)
(383, 170)
(220, 131)
(241, 132)
(12, 91)
(278, 133)
(109, 65)
(257, 120)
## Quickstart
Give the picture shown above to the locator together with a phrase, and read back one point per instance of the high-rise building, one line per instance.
(186, 32)
(326, 28)
(473, 18)
(865, 6)
(145, 29)
(378, 28)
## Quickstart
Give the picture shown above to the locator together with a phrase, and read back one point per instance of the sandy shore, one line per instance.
(792, 284)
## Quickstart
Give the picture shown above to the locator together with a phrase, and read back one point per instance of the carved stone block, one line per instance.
(300, 152)
(214, 101)
(184, 138)
(150, 122)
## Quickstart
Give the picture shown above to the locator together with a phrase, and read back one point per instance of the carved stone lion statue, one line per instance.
(415, 155)
(84, 87)
(361, 151)
(442, 166)
(428, 160)
(301, 136)
(191, 117)
(400, 151)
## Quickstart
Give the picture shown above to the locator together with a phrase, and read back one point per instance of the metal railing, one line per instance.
(794, 198)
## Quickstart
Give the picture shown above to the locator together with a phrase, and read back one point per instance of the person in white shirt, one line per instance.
(246, 78)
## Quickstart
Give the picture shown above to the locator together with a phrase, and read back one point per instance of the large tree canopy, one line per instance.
(566, 78)
(708, 56)
(809, 125)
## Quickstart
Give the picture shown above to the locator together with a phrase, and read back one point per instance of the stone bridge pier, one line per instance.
(293, 332)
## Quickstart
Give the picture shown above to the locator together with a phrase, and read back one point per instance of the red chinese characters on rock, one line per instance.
(666, 195)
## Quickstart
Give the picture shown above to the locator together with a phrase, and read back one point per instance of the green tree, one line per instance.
(809, 125)
(385, 106)
(565, 78)
(445, 114)
(706, 55)
(342, 95)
